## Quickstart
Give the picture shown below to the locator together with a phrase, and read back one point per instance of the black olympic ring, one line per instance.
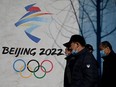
(35, 69)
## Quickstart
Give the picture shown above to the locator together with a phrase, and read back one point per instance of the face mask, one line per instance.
(66, 54)
(74, 52)
(102, 53)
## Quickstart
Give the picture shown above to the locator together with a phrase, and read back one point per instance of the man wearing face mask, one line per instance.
(68, 51)
(109, 65)
(81, 69)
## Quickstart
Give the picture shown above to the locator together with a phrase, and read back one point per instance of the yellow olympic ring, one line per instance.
(22, 68)
(25, 76)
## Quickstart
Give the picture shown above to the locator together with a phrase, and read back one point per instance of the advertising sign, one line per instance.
(32, 33)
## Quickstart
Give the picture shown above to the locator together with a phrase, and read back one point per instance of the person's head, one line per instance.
(105, 48)
(68, 51)
(77, 42)
(89, 47)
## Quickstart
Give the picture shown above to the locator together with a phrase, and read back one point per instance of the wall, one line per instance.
(31, 36)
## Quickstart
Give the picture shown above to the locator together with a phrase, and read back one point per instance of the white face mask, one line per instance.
(74, 47)
(102, 53)
(67, 54)
(74, 52)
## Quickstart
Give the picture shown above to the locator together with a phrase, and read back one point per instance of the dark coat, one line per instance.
(81, 70)
(109, 71)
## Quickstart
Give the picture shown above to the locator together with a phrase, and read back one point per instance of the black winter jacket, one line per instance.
(81, 70)
(109, 70)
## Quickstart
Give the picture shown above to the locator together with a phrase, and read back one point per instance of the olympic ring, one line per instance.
(22, 68)
(25, 76)
(41, 76)
(19, 70)
(37, 63)
(50, 63)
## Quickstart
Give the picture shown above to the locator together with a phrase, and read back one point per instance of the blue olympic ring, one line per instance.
(23, 67)
(35, 69)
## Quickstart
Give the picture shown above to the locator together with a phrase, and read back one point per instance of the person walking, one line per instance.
(81, 69)
(109, 65)
(68, 51)
(89, 47)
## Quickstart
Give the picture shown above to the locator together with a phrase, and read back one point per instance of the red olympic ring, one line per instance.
(50, 63)
(35, 69)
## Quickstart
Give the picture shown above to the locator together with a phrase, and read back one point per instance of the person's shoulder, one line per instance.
(113, 54)
(89, 56)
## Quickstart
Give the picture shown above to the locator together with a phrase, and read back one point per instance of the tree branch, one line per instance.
(87, 15)
(104, 5)
(76, 17)
(93, 2)
(109, 33)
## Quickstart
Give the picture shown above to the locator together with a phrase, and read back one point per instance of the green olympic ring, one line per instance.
(35, 69)
(41, 76)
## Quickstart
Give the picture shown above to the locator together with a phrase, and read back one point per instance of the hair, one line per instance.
(106, 44)
(78, 38)
(89, 47)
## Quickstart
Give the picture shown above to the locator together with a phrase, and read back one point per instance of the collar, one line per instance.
(110, 55)
(71, 56)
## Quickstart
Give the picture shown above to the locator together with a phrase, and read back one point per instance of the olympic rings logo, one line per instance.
(29, 68)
